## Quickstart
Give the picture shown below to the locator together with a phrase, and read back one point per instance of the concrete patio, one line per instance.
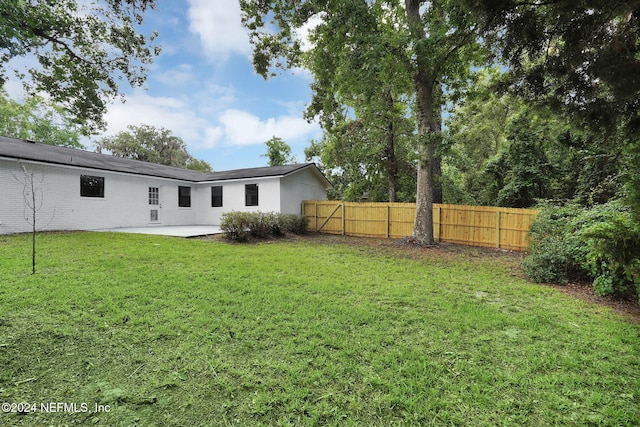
(177, 230)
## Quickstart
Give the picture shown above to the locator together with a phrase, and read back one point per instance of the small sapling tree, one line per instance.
(33, 198)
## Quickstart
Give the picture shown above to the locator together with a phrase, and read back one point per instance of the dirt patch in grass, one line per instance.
(584, 291)
(402, 248)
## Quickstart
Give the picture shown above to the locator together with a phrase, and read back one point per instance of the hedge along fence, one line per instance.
(505, 228)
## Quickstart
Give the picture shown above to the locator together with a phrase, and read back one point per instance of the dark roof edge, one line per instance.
(146, 169)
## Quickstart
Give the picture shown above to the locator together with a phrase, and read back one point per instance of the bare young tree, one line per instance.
(33, 198)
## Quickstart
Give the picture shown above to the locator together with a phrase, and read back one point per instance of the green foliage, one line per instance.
(372, 62)
(552, 252)
(236, 225)
(83, 51)
(611, 248)
(360, 96)
(240, 226)
(453, 187)
(511, 153)
(150, 144)
(578, 57)
(602, 242)
(38, 120)
(527, 176)
(292, 223)
(358, 162)
(278, 152)
(632, 179)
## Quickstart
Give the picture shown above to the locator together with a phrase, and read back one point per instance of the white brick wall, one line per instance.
(298, 187)
(125, 202)
(126, 198)
(233, 198)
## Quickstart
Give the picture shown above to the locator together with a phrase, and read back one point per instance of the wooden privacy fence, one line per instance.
(506, 228)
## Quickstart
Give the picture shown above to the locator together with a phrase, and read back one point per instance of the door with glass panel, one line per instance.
(155, 205)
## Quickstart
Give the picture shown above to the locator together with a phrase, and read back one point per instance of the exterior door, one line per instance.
(155, 205)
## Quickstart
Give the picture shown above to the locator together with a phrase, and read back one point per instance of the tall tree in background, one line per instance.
(433, 42)
(38, 120)
(512, 153)
(149, 144)
(361, 96)
(360, 161)
(579, 58)
(83, 51)
(278, 152)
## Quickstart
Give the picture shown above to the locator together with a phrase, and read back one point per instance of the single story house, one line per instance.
(81, 190)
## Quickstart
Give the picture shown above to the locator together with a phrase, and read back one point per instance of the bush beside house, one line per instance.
(240, 226)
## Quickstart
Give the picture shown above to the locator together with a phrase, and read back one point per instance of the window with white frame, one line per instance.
(154, 195)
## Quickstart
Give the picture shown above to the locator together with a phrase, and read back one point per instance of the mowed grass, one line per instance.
(173, 332)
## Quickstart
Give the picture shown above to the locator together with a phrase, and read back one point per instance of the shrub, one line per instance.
(236, 225)
(240, 226)
(611, 248)
(261, 224)
(602, 243)
(551, 257)
(296, 224)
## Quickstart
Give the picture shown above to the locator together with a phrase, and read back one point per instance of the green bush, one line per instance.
(602, 243)
(240, 226)
(262, 224)
(236, 225)
(551, 257)
(296, 224)
(610, 248)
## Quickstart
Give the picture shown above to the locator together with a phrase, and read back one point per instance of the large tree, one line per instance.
(432, 42)
(366, 158)
(39, 120)
(361, 95)
(151, 144)
(582, 58)
(511, 153)
(82, 51)
(278, 152)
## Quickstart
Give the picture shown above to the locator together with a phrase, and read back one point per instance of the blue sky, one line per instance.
(203, 88)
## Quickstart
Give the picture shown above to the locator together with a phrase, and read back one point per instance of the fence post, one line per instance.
(343, 220)
(388, 221)
(498, 214)
(315, 215)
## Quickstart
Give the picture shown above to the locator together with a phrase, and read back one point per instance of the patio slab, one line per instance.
(175, 230)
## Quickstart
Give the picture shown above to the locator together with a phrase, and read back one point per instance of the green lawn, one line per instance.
(174, 332)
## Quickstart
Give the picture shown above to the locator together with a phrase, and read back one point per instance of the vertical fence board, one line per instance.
(506, 228)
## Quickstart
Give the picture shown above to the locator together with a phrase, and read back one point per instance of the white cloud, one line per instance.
(218, 25)
(243, 128)
(170, 113)
(178, 75)
(199, 128)
(303, 33)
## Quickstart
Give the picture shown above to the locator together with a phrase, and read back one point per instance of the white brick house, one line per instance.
(81, 190)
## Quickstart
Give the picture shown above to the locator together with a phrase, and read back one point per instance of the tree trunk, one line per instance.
(424, 84)
(391, 163)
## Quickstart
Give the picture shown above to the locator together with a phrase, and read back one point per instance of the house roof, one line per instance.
(34, 151)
